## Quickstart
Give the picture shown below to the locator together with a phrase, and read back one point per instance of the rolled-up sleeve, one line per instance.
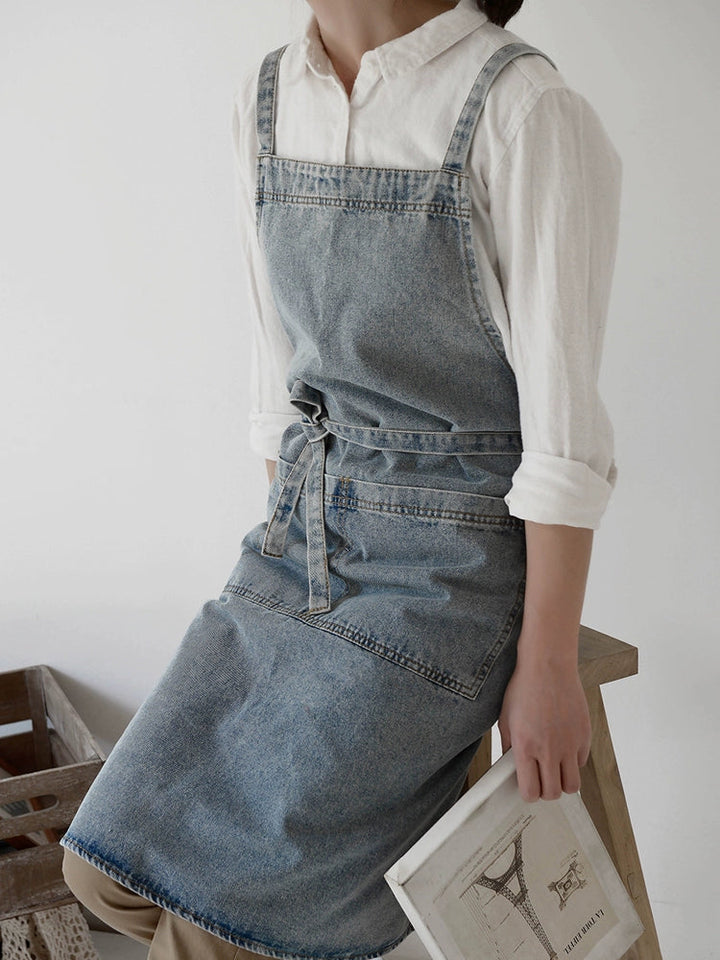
(554, 203)
(270, 348)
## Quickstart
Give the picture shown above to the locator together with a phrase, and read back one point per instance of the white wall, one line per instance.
(126, 479)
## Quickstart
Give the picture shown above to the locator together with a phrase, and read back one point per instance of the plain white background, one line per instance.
(127, 483)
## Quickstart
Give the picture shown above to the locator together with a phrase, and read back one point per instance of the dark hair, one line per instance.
(500, 11)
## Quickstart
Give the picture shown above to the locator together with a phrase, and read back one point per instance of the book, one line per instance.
(498, 878)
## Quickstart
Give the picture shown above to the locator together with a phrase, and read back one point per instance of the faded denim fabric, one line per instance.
(321, 714)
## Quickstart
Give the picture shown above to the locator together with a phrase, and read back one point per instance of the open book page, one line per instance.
(500, 878)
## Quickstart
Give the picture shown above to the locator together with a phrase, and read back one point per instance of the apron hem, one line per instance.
(108, 868)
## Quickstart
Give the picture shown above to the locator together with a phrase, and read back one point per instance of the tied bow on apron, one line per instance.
(309, 469)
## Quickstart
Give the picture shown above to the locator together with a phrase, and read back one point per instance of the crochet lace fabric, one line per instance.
(60, 933)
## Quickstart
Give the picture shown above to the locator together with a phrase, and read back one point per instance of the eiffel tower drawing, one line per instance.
(519, 899)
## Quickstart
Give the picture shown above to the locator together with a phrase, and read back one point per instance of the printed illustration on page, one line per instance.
(528, 894)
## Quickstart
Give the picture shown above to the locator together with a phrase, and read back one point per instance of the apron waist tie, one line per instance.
(309, 469)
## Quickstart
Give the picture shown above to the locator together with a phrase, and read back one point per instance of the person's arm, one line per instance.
(545, 716)
(270, 466)
(554, 197)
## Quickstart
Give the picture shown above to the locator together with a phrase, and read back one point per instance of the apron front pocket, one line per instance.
(430, 579)
(434, 579)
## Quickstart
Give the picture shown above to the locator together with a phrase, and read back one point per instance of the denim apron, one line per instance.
(321, 714)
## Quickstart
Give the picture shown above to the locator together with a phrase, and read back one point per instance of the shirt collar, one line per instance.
(404, 53)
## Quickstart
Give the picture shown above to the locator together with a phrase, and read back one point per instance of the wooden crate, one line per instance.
(51, 766)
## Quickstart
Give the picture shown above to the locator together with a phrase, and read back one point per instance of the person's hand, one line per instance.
(546, 720)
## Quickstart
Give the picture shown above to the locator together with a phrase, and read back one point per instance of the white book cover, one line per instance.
(497, 878)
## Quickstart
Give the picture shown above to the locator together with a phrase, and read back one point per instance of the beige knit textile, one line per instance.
(60, 933)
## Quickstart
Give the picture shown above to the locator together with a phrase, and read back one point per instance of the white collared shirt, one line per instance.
(545, 186)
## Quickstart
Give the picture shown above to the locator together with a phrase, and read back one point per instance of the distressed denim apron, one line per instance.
(321, 714)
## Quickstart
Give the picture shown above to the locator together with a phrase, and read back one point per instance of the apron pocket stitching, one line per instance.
(433, 674)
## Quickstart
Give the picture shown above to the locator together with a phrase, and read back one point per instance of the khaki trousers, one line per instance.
(168, 936)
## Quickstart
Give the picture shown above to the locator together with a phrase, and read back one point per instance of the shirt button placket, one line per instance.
(364, 82)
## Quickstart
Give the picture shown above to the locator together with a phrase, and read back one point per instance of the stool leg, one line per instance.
(481, 762)
(603, 795)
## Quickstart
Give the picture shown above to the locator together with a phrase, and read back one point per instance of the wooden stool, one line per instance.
(602, 659)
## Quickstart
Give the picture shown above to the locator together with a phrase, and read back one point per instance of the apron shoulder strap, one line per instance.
(459, 145)
(266, 95)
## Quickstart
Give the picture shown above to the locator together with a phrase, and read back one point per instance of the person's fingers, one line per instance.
(528, 776)
(550, 780)
(570, 775)
(584, 754)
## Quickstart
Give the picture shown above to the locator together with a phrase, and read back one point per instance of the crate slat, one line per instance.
(17, 751)
(66, 720)
(14, 704)
(60, 753)
(68, 784)
(32, 880)
(41, 739)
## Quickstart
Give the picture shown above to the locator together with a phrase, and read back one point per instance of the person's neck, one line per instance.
(349, 28)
